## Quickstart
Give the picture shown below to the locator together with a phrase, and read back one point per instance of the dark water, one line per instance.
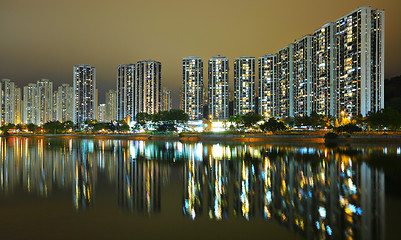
(63, 188)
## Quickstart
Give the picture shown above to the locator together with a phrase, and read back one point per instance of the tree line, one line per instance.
(170, 121)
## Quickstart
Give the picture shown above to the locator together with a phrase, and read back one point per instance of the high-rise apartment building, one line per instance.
(125, 90)
(44, 102)
(359, 41)
(218, 92)
(7, 102)
(323, 70)
(166, 100)
(377, 60)
(302, 76)
(101, 112)
(148, 87)
(18, 106)
(244, 85)
(192, 87)
(65, 101)
(55, 104)
(111, 106)
(337, 70)
(84, 84)
(284, 84)
(267, 87)
(30, 104)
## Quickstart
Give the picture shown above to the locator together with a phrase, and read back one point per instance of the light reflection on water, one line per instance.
(315, 191)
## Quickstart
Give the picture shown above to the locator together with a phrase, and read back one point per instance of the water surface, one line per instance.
(71, 188)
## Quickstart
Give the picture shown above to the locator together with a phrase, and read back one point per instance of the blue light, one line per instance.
(329, 231)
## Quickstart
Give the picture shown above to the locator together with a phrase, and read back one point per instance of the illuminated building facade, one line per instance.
(125, 90)
(284, 84)
(377, 60)
(101, 113)
(323, 62)
(166, 100)
(84, 84)
(44, 101)
(55, 103)
(192, 87)
(244, 85)
(7, 102)
(29, 105)
(360, 62)
(18, 106)
(267, 81)
(65, 103)
(218, 92)
(111, 106)
(148, 87)
(302, 76)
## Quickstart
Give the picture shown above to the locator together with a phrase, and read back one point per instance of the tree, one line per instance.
(350, 128)
(250, 119)
(142, 118)
(272, 126)
(53, 127)
(388, 117)
(167, 121)
(32, 127)
(235, 122)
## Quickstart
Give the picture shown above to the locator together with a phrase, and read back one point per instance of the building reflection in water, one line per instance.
(193, 182)
(316, 191)
(322, 195)
(244, 189)
(139, 178)
(84, 174)
(218, 177)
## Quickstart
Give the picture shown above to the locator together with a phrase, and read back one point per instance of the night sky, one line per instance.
(45, 38)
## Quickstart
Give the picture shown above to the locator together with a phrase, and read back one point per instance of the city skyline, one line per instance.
(48, 56)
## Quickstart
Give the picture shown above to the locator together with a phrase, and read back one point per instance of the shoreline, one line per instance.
(261, 138)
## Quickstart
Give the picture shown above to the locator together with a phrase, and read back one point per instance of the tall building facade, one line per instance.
(55, 104)
(44, 102)
(65, 103)
(323, 62)
(377, 60)
(18, 106)
(148, 87)
(84, 100)
(302, 76)
(359, 41)
(30, 104)
(166, 100)
(192, 87)
(284, 86)
(111, 106)
(244, 85)
(125, 90)
(339, 70)
(101, 112)
(218, 91)
(267, 85)
(7, 102)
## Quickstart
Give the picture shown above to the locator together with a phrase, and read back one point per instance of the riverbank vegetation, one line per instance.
(386, 121)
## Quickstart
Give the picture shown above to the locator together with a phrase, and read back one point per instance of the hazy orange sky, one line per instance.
(45, 38)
